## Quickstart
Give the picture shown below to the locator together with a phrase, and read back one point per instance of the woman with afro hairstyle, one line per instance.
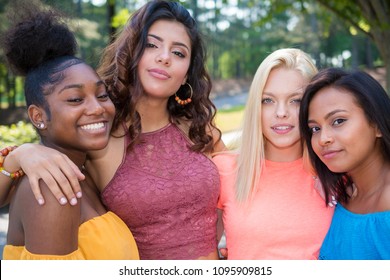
(69, 106)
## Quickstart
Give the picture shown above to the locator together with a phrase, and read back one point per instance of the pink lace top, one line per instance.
(167, 195)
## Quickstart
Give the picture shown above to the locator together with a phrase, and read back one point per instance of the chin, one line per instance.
(336, 169)
(97, 146)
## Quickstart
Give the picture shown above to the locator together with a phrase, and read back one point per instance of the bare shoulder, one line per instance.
(226, 161)
(219, 145)
(56, 224)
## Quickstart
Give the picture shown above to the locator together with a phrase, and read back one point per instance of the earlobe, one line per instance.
(378, 133)
(184, 81)
(37, 116)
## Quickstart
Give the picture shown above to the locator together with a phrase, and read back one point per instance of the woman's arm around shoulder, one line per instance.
(59, 173)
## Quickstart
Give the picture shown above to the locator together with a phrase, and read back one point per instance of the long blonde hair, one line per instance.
(251, 156)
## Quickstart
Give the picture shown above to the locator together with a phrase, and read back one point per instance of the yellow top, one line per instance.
(105, 237)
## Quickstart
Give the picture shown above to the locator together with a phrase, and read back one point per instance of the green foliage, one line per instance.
(237, 108)
(11, 91)
(120, 18)
(238, 34)
(17, 134)
(226, 64)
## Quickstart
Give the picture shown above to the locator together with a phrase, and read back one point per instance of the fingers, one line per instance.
(74, 176)
(34, 183)
(59, 173)
(62, 181)
(223, 252)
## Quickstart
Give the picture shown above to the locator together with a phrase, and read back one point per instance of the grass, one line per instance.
(230, 119)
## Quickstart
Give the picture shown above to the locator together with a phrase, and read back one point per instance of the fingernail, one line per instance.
(79, 194)
(63, 200)
(73, 201)
(40, 201)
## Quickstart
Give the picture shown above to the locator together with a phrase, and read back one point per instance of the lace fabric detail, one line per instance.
(167, 195)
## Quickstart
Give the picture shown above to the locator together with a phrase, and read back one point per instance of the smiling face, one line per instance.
(164, 64)
(280, 107)
(342, 137)
(81, 112)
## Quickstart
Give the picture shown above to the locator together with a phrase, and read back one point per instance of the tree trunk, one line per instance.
(195, 9)
(10, 88)
(368, 54)
(377, 14)
(387, 86)
(355, 53)
(110, 16)
(382, 44)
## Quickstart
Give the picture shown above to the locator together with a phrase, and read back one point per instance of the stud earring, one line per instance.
(186, 101)
(41, 125)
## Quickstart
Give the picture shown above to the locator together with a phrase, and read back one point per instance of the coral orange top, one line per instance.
(287, 218)
(105, 237)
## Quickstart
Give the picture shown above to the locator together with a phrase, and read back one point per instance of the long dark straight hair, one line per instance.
(374, 101)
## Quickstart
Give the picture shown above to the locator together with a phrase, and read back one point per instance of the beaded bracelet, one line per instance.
(3, 153)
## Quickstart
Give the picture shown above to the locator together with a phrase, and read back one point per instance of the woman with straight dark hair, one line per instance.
(345, 121)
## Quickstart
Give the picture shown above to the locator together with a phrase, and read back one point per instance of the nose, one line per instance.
(94, 107)
(164, 57)
(325, 137)
(281, 111)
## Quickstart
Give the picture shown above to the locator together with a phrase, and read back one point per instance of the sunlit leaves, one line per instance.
(17, 134)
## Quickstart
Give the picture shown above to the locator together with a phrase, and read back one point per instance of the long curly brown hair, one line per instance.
(118, 68)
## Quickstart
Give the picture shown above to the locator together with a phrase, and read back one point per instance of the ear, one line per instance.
(378, 133)
(37, 116)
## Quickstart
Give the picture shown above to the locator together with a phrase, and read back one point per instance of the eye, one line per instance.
(266, 100)
(314, 129)
(74, 100)
(296, 101)
(179, 54)
(151, 45)
(103, 97)
(339, 121)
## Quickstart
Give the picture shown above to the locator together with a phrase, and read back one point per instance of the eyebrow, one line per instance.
(289, 95)
(98, 83)
(330, 114)
(174, 43)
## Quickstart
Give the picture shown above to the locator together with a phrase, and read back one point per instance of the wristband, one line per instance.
(3, 153)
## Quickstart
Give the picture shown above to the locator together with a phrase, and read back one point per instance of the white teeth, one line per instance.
(93, 126)
(282, 127)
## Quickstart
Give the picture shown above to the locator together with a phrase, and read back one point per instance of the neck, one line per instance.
(283, 155)
(154, 114)
(371, 177)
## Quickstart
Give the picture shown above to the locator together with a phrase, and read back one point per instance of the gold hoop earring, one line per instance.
(186, 101)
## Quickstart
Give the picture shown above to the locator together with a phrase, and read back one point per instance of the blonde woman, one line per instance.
(270, 203)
